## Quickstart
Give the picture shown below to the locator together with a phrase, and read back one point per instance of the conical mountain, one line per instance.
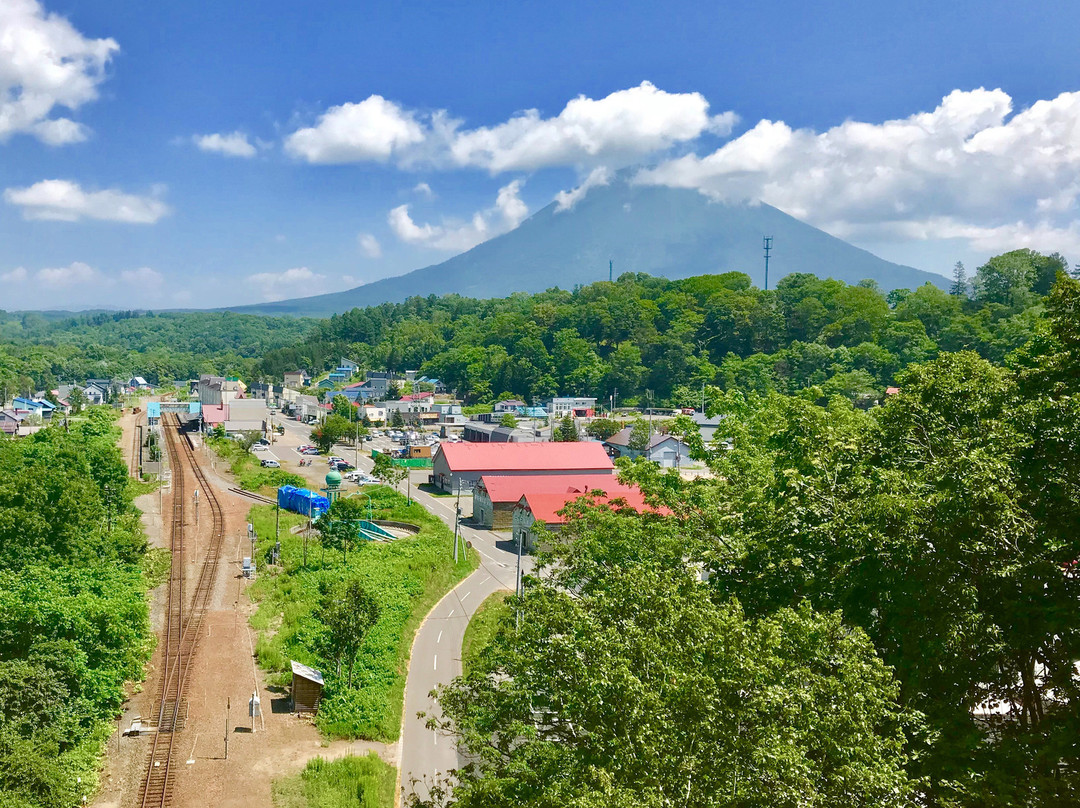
(671, 232)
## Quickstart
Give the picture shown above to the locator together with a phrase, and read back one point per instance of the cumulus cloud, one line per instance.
(63, 200)
(74, 274)
(234, 144)
(506, 214)
(373, 130)
(424, 190)
(617, 129)
(968, 169)
(46, 63)
(144, 276)
(620, 128)
(567, 199)
(17, 275)
(298, 281)
(369, 245)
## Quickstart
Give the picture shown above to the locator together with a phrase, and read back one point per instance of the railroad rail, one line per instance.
(251, 495)
(135, 446)
(184, 620)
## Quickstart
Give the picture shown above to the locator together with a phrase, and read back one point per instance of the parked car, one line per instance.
(342, 465)
(360, 478)
(262, 442)
(310, 451)
(259, 447)
(335, 459)
(270, 463)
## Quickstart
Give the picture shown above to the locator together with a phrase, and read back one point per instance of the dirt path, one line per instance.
(224, 672)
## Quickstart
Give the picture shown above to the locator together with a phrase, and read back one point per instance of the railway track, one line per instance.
(134, 464)
(184, 619)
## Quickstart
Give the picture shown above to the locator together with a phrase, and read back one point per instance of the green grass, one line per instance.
(349, 782)
(249, 474)
(408, 577)
(155, 566)
(482, 627)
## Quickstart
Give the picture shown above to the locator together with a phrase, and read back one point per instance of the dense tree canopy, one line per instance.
(73, 616)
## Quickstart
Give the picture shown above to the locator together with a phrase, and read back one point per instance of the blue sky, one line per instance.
(155, 155)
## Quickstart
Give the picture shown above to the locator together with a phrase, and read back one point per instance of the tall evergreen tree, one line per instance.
(960, 285)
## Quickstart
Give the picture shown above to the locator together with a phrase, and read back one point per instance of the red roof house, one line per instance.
(496, 495)
(544, 507)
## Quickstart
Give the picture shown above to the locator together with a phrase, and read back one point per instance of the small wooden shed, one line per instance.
(307, 688)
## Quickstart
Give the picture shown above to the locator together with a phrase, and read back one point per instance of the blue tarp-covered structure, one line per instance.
(300, 500)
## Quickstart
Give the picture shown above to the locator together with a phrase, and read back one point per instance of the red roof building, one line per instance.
(214, 414)
(463, 464)
(495, 496)
(536, 507)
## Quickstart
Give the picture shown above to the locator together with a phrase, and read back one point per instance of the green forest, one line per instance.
(669, 338)
(859, 608)
(74, 626)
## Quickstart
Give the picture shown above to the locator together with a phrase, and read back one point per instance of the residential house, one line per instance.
(297, 378)
(325, 384)
(96, 390)
(463, 464)
(374, 413)
(139, 383)
(667, 451)
(348, 366)
(536, 509)
(495, 496)
(10, 420)
(576, 407)
(265, 392)
(511, 406)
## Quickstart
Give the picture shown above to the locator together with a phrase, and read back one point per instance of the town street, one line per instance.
(436, 652)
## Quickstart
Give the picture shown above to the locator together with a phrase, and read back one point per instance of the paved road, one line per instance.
(436, 652)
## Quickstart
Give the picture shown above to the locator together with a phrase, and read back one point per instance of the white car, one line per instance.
(270, 463)
(259, 447)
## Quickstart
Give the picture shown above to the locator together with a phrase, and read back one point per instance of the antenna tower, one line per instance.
(766, 242)
(610, 270)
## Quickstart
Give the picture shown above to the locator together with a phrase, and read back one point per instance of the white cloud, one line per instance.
(369, 245)
(234, 144)
(374, 129)
(424, 190)
(567, 199)
(618, 129)
(296, 282)
(17, 275)
(506, 214)
(75, 273)
(144, 276)
(63, 200)
(46, 63)
(969, 169)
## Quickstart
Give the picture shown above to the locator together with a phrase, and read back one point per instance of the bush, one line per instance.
(366, 782)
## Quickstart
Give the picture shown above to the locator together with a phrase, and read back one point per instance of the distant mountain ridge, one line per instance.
(670, 232)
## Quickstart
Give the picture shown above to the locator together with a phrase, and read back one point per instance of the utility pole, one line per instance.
(610, 270)
(517, 580)
(766, 242)
(457, 519)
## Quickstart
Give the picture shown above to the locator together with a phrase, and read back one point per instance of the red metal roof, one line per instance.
(546, 507)
(511, 488)
(496, 457)
(214, 413)
(417, 396)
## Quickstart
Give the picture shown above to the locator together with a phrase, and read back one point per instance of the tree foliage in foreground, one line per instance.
(73, 616)
(632, 683)
(944, 526)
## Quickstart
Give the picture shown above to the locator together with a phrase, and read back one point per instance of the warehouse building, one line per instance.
(463, 464)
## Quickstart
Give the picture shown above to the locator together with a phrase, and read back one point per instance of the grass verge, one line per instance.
(245, 468)
(407, 577)
(482, 627)
(367, 782)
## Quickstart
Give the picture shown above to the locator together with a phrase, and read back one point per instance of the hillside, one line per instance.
(670, 232)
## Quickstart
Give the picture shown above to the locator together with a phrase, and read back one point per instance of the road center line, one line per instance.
(438, 639)
(435, 660)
